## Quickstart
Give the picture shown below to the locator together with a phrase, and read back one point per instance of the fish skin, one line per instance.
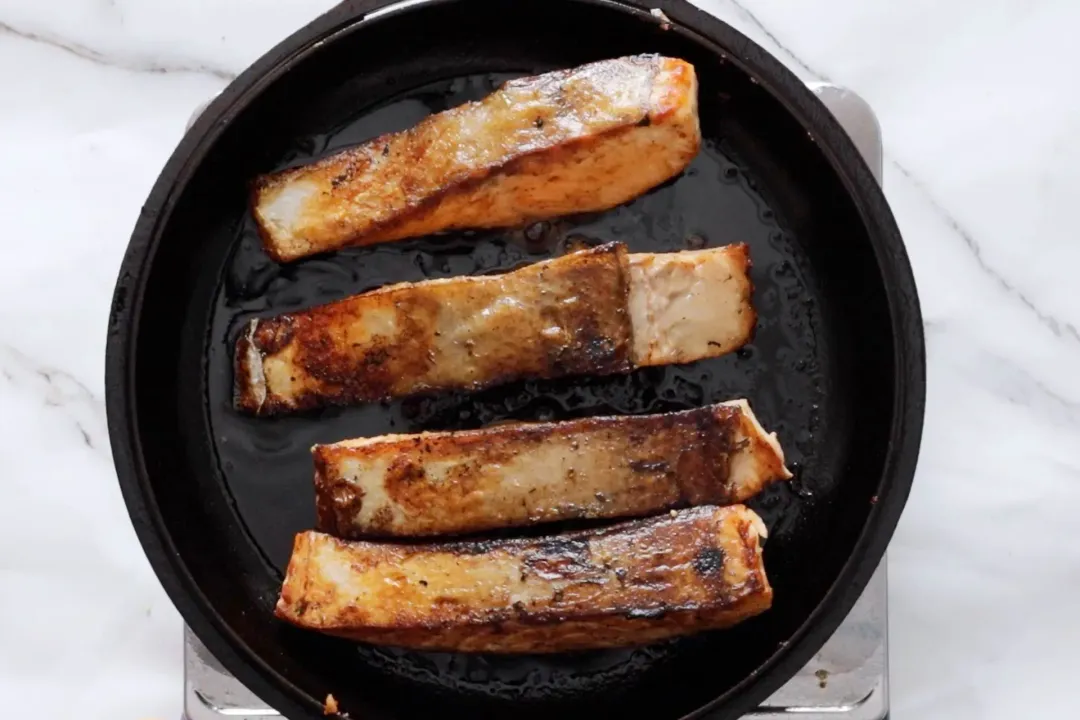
(523, 474)
(630, 584)
(571, 141)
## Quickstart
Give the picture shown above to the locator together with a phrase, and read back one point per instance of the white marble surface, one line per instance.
(981, 118)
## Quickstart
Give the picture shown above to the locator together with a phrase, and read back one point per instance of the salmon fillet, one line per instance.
(597, 311)
(631, 584)
(570, 141)
(521, 474)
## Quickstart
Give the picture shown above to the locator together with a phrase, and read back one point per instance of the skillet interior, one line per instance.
(229, 492)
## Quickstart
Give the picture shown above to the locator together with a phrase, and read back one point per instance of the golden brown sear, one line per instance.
(519, 474)
(570, 141)
(597, 311)
(461, 333)
(631, 584)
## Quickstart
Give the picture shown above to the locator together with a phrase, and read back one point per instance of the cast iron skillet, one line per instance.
(836, 366)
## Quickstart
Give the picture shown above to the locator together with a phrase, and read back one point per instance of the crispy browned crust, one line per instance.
(632, 584)
(464, 333)
(578, 140)
(597, 311)
(522, 474)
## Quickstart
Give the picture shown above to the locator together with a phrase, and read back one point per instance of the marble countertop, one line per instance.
(982, 168)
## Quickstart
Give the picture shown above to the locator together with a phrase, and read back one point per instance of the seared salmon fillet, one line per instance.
(597, 311)
(518, 474)
(570, 141)
(630, 584)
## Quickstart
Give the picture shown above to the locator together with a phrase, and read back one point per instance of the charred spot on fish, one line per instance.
(649, 466)
(383, 518)
(539, 123)
(423, 583)
(404, 472)
(562, 547)
(558, 557)
(600, 351)
(472, 547)
(376, 357)
(645, 121)
(709, 562)
(386, 150)
(406, 485)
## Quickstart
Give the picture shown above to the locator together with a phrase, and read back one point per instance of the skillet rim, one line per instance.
(351, 16)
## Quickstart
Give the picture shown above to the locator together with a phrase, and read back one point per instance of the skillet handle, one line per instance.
(856, 117)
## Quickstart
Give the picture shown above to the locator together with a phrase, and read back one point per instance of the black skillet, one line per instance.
(836, 366)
